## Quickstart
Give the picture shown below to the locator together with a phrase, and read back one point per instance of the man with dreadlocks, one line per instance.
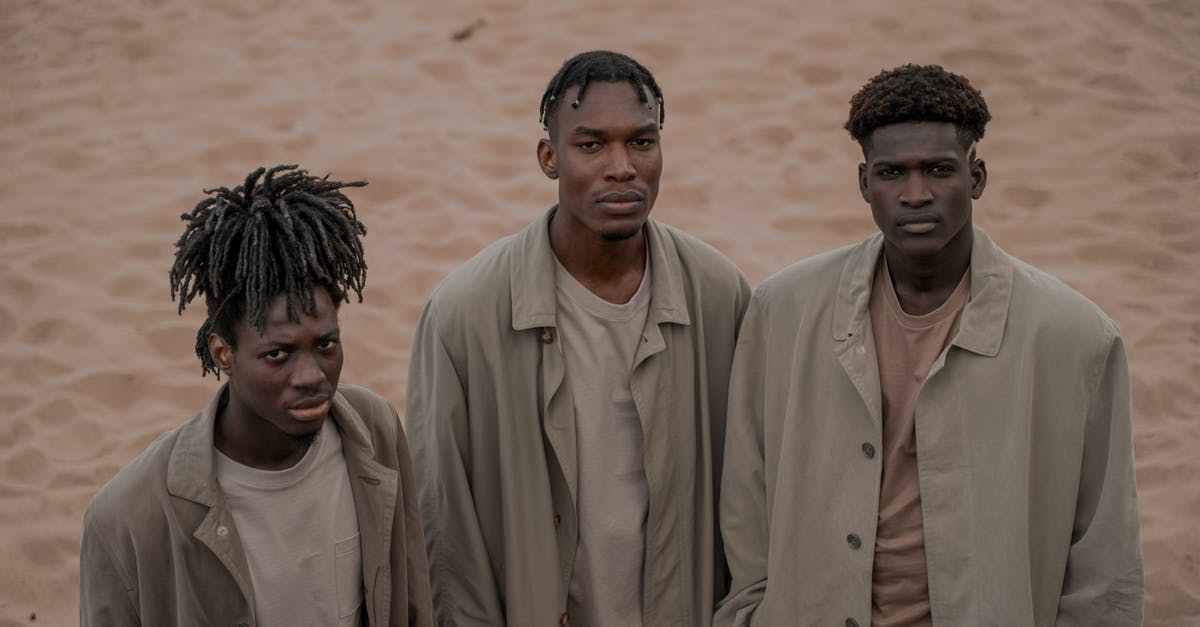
(289, 500)
(566, 400)
(924, 430)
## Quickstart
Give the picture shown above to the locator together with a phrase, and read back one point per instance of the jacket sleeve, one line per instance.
(420, 601)
(1103, 582)
(743, 504)
(104, 598)
(437, 418)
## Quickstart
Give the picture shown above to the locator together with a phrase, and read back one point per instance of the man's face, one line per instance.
(919, 181)
(286, 376)
(607, 159)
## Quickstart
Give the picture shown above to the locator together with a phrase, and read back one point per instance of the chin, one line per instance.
(618, 235)
(922, 249)
(306, 438)
(306, 428)
(621, 232)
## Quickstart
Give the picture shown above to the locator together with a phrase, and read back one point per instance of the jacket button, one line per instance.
(854, 541)
(557, 521)
(547, 336)
(850, 622)
(868, 450)
(222, 531)
(564, 620)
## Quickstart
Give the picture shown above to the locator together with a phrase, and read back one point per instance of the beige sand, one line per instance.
(113, 116)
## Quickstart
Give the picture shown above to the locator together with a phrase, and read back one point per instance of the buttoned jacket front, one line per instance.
(492, 426)
(160, 546)
(1024, 454)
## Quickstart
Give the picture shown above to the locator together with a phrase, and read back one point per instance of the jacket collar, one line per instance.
(981, 327)
(190, 472)
(532, 277)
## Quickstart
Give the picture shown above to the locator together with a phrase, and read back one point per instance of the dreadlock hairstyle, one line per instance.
(285, 232)
(918, 93)
(599, 66)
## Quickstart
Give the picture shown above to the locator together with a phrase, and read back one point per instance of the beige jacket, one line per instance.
(160, 547)
(1023, 444)
(492, 427)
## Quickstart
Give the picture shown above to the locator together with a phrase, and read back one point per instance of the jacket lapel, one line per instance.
(853, 339)
(190, 476)
(375, 489)
(981, 328)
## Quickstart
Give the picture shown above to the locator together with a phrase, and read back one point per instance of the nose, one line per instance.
(916, 191)
(619, 166)
(307, 372)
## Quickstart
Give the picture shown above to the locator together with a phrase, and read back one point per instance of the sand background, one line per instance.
(113, 116)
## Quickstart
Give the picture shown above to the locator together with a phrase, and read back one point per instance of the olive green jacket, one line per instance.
(1024, 454)
(160, 546)
(492, 426)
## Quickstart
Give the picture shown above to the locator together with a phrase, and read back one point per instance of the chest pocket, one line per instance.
(347, 571)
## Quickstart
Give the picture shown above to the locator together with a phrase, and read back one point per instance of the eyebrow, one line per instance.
(264, 343)
(924, 162)
(641, 130)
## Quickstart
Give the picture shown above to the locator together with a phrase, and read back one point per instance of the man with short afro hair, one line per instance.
(924, 93)
(289, 500)
(924, 430)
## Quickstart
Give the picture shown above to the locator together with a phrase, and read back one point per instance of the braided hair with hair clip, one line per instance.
(599, 66)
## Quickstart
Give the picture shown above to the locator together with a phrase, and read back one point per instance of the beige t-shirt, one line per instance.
(906, 346)
(599, 343)
(299, 530)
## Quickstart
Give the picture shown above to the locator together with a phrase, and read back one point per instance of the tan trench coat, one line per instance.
(1024, 454)
(160, 546)
(492, 427)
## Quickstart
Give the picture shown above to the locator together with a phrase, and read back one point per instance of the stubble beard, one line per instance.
(306, 439)
(619, 236)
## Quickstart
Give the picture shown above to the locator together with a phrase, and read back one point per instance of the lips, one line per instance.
(622, 197)
(310, 408)
(917, 223)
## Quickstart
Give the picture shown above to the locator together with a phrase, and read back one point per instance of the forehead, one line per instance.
(277, 320)
(915, 140)
(606, 106)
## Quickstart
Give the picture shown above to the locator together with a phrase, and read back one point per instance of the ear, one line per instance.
(547, 158)
(221, 351)
(978, 178)
(862, 182)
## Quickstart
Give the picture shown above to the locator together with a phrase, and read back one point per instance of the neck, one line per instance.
(610, 269)
(923, 284)
(255, 443)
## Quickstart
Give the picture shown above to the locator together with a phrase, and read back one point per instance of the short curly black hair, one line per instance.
(918, 93)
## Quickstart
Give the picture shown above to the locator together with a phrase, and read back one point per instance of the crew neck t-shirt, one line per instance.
(906, 347)
(299, 530)
(599, 343)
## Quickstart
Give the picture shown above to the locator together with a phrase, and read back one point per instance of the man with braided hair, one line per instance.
(289, 500)
(568, 385)
(924, 430)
